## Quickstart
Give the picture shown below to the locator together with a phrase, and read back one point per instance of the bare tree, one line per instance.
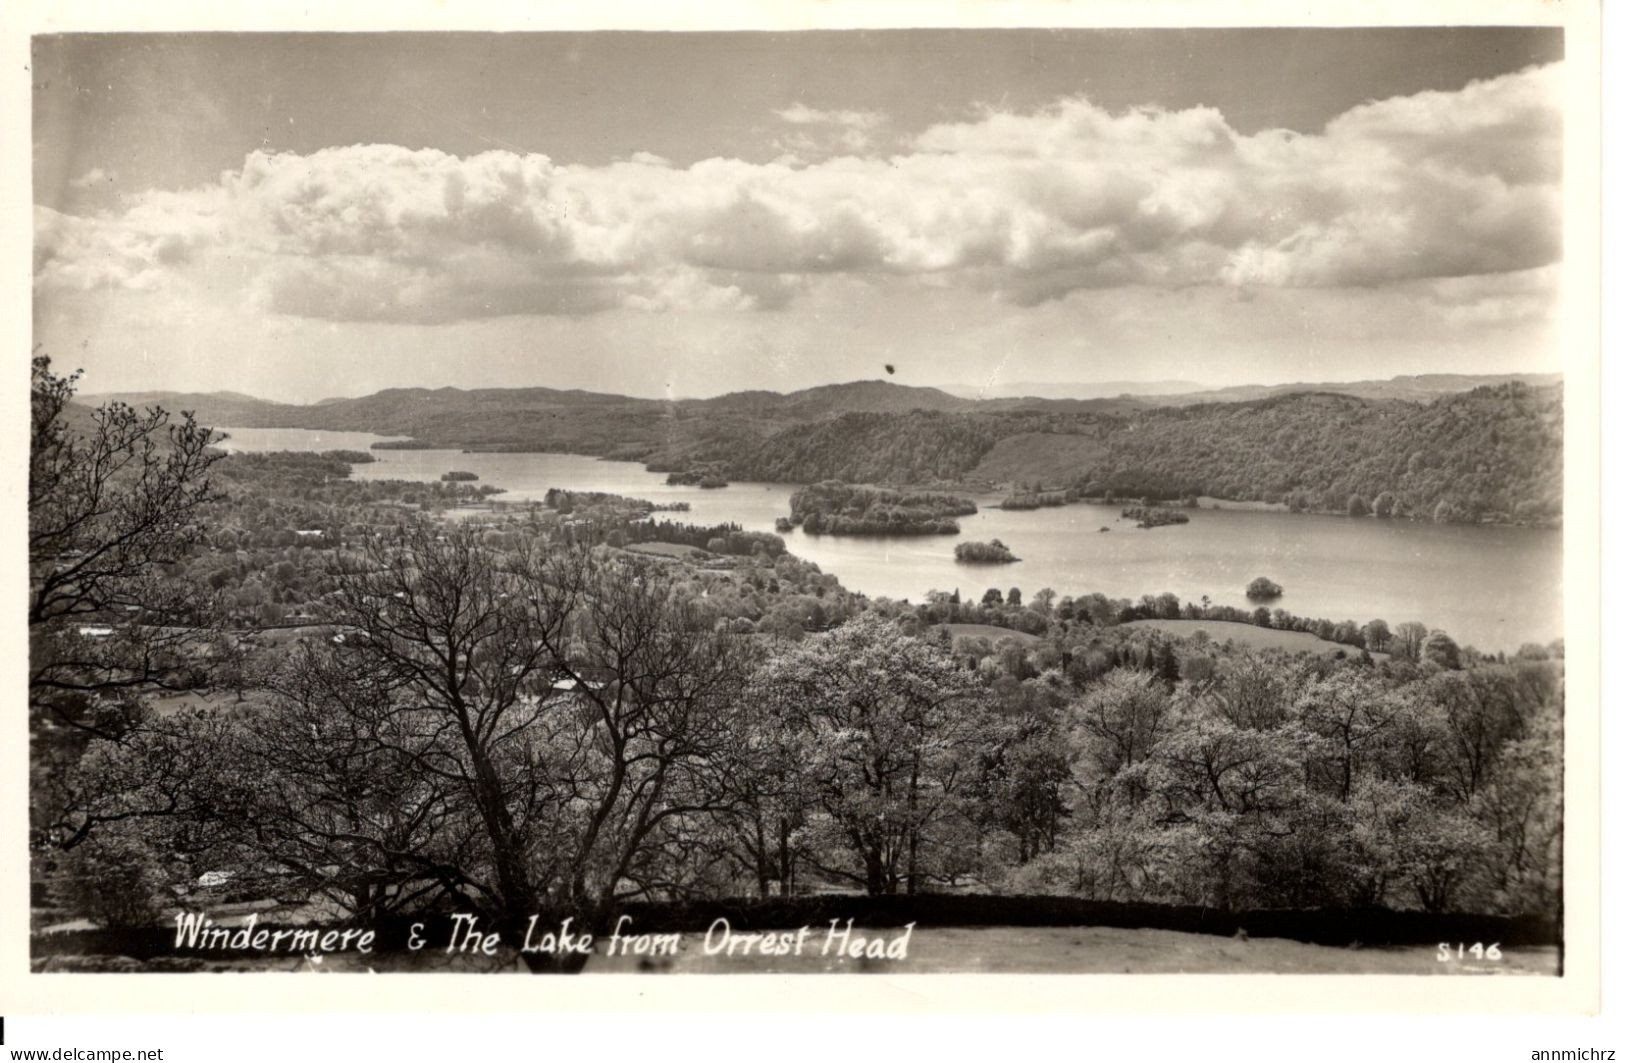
(114, 496)
(770, 794)
(561, 716)
(320, 799)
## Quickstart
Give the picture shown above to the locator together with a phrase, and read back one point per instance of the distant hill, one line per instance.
(1104, 389)
(450, 415)
(1420, 388)
(1447, 446)
(214, 407)
(1423, 388)
(830, 400)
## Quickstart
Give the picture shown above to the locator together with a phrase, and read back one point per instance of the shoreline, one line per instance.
(995, 491)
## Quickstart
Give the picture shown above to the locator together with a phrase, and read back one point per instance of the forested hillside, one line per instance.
(873, 448)
(1490, 454)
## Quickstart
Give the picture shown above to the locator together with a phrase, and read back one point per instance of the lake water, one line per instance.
(1492, 587)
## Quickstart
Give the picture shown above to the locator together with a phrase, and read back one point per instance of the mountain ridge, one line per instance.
(872, 395)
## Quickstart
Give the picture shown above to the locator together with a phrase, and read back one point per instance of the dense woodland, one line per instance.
(511, 713)
(835, 508)
(1492, 454)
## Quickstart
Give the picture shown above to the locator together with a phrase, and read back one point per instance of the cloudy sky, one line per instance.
(306, 216)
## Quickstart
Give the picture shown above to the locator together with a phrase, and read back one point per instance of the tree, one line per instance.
(1522, 808)
(1357, 507)
(1264, 588)
(324, 797)
(1442, 650)
(888, 731)
(1022, 783)
(1254, 692)
(1377, 636)
(1384, 505)
(1408, 640)
(1222, 791)
(764, 821)
(1116, 724)
(1446, 850)
(558, 716)
(118, 881)
(159, 773)
(1353, 712)
(1384, 815)
(1480, 715)
(1165, 664)
(114, 496)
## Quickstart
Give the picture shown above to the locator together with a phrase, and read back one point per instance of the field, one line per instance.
(1249, 635)
(991, 633)
(666, 550)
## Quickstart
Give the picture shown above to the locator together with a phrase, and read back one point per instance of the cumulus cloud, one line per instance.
(1028, 206)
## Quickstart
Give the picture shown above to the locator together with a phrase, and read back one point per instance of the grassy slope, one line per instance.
(1260, 638)
(991, 633)
(666, 549)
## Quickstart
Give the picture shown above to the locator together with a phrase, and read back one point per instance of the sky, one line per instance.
(307, 216)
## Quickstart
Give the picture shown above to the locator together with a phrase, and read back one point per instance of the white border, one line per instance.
(1577, 992)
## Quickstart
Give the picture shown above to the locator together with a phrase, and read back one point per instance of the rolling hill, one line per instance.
(1437, 447)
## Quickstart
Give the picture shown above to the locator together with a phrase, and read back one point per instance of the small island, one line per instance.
(836, 508)
(705, 476)
(1155, 517)
(458, 476)
(1038, 499)
(1264, 589)
(989, 553)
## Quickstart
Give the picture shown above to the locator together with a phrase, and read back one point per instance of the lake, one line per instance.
(1491, 587)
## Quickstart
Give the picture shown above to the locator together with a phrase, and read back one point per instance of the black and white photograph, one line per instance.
(1038, 500)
